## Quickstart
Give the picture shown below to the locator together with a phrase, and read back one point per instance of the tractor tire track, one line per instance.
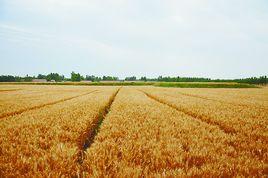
(240, 137)
(220, 101)
(87, 138)
(252, 136)
(203, 118)
(42, 105)
(10, 90)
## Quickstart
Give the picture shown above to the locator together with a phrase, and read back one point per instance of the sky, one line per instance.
(193, 38)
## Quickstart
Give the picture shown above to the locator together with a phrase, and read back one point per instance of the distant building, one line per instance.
(86, 81)
(39, 80)
(52, 81)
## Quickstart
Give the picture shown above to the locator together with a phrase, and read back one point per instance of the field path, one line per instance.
(133, 131)
(203, 118)
(87, 138)
(247, 126)
(220, 101)
(44, 142)
(141, 137)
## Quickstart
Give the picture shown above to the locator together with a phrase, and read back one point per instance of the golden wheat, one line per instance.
(74, 131)
(142, 137)
(257, 98)
(46, 141)
(27, 97)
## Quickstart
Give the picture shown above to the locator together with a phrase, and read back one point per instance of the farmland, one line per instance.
(132, 131)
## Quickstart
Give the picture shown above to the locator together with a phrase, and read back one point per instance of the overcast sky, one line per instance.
(205, 38)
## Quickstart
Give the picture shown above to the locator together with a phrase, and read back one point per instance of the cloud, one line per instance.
(87, 47)
(172, 36)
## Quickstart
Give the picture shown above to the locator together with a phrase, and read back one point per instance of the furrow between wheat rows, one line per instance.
(4, 115)
(249, 121)
(203, 118)
(87, 138)
(242, 134)
(220, 101)
(142, 137)
(8, 90)
(51, 134)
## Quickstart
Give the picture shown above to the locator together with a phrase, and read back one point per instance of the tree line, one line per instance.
(77, 77)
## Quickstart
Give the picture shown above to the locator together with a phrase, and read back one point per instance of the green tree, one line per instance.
(133, 78)
(40, 76)
(109, 78)
(28, 78)
(143, 79)
(54, 76)
(76, 77)
(93, 78)
(7, 78)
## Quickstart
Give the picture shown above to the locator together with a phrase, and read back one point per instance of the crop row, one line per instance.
(142, 137)
(247, 125)
(257, 98)
(15, 102)
(46, 141)
(132, 132)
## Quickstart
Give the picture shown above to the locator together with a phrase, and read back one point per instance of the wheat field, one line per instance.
(145, 131)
